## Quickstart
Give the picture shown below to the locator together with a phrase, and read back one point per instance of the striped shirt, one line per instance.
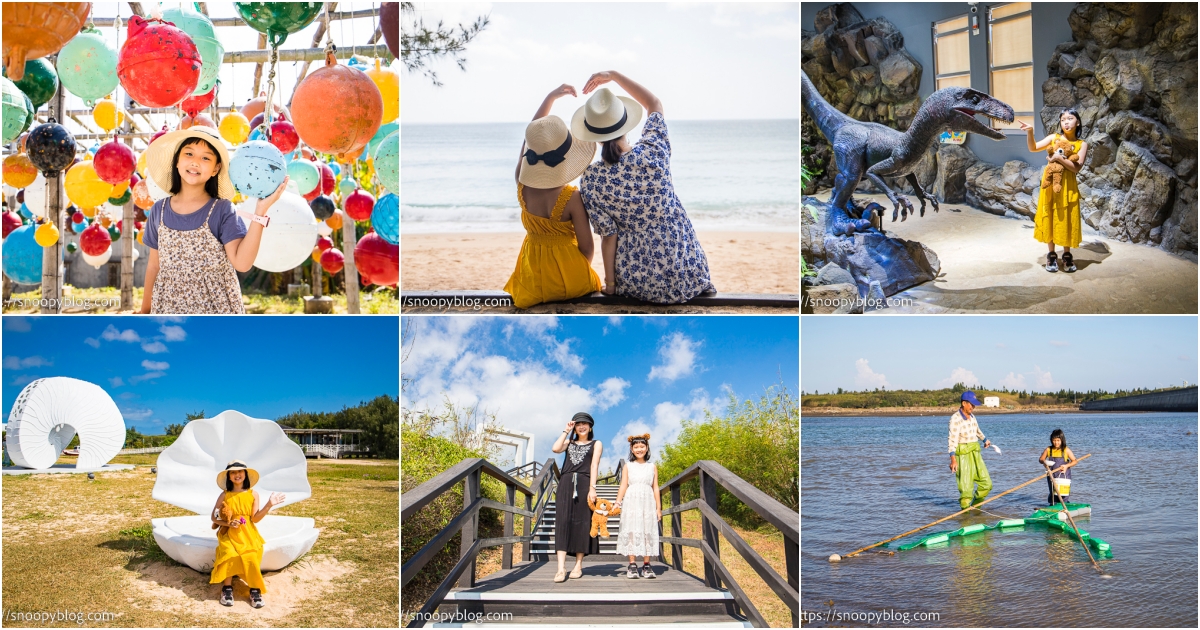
(963, 430)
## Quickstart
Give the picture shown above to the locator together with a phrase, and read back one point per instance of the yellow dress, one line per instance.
(240, 551)
(550, 266)
(1057, 219)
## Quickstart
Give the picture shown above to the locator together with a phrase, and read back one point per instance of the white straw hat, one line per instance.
(236, 465)
(552, 157)
(162, 151)
(605, 116)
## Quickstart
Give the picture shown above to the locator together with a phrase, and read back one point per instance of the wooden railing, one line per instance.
(711, 473)
(139, 451)
(468, 471)
(615, 478)
(526, 470)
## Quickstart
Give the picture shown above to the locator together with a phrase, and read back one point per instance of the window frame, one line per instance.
(937, 76)
(993, 69)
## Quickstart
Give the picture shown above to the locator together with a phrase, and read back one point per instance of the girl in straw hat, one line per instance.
(649, 247)
(196, 240)
(239, 545)
(555, 262)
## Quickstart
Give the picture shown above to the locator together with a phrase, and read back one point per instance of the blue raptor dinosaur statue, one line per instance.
(874, 151)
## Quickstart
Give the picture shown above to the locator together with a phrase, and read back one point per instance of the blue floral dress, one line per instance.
(658, 257)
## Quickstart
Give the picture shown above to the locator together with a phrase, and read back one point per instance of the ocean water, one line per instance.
(730, 175)
(864, 480)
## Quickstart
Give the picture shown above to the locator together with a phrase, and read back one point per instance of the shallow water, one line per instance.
(867, 479)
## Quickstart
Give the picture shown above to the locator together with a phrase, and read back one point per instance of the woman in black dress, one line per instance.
(576, 489)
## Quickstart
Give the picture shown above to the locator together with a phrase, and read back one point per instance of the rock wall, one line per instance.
(1130, 71)
(860, 67)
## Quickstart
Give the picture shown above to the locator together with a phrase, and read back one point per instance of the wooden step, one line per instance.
(661, 621)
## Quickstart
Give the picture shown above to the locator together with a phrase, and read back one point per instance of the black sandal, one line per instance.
(1052, 262)
(1068, 264)
(256, 599)
(226, 595)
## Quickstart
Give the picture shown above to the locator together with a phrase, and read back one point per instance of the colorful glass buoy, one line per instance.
(94, 240)
(9, 221)
(291, 236)
(114, 163)
(98, 260)
(19, 172)
(284, 137)
(81, 226)
(387, 162)
(277, 20)
(202, 120)
(306, 175)
(328, 180)
(158, 65)
(389, 23)
(335, 221)
(114, 232)
(107, 115)
(72, 248)
(378, 259)
(204, 36)
(336, 109)
(332, 260)
(324, 243)
(347, 186)
(14, 109)
(256, 106)
(50, 147)
(87, 66)
(358, 205)
(388, 83)
(46, 234)
(84, 186)
(22, 256)
(257, 169)
(195, 104)
(38, 29)
(234, 128)
(39, 83)
(141, 196)
(122, 198)
(386, 218)
(322, 207)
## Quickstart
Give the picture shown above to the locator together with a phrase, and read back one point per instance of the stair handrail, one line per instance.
(520, 472)
(467, 471)
(543, 485)
(616, 477)
(710, 474)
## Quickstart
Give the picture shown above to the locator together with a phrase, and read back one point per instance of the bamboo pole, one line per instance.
(1072, 521)
(836, 558)
(237, 21)
(127, 240)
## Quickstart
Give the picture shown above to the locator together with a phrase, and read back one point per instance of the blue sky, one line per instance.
(1040, 353)
(704, 61)
(159, 369)
(633, 374)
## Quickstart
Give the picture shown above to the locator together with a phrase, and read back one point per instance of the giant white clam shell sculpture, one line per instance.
(187, 472)
(48, 413)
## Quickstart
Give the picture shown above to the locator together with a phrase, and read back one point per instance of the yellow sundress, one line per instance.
(1057, 220)
(240, 551)
(550, 266)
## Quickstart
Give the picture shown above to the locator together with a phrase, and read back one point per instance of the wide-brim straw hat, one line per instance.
(606, 116)
(236, 465)
(548, 138)
(162, 151)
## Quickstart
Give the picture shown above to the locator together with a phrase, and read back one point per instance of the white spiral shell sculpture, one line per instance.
(50, 411)
(187, 472)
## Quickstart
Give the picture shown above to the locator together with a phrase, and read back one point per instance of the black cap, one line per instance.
(583, 417)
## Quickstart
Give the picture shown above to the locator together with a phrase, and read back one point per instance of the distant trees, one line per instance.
(421, 43)
(379, 419)
(869, 399)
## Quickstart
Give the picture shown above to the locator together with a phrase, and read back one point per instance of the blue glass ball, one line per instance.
(81, 226)
(23, 256)
(24, 212)
(257, 169)
(385, 218)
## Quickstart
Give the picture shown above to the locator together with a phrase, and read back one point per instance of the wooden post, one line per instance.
(127, 240)
(470, 528)
(530, 524)
(52, 271)
(349, 240)
(510, 498)
(791, 553)
(318, 279)
(708, 494)
(676, 531)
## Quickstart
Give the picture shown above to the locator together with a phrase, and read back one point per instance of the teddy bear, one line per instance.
(1052, 176)
(227, 516)
(601, 510)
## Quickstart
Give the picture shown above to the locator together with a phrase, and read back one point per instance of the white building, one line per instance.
(991, 401)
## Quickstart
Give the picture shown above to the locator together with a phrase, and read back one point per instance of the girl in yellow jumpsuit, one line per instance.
(239, 545)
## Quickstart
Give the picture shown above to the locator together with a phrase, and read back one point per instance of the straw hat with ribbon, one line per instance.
(606, 116)
(236, 465)
(161, 153)
(552, 157)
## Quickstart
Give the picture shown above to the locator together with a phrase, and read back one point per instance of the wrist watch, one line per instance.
(257, 218)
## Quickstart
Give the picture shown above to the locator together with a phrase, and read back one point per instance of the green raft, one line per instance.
(1050, 516)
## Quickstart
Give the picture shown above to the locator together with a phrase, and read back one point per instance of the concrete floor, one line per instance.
(992, 264)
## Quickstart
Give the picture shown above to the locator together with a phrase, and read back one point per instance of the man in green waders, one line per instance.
(965, 460)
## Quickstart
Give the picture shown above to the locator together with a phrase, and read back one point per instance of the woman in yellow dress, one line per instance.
(1058, 219)
(555, 262)
(239, 545)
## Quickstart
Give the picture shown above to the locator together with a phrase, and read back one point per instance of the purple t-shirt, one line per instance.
(224, 222)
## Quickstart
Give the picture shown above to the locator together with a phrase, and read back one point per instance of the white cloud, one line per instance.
(1043, 381)
(173, 333)
(18, 363)
(136, 413)
(178, 319)
(866, 378)
(959, 375)
(616, 321)
(155, 365)
(148, 376)
(611, 392)
(154, 347)
(17, 324)
(1013, 381)
(562, 355)
(112, 334)
(678, 353)
(664, 428)
(24, 379)
(116, 381)
(95, 343)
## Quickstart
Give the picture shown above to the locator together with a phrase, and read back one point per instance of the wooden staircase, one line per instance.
(542, 547)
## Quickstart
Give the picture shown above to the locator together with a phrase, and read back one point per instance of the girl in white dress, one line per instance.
(641, 507)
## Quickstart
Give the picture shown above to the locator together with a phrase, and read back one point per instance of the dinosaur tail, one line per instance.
(827, 117)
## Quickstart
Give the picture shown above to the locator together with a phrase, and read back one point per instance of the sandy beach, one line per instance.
(992, 264)
(741, 262)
